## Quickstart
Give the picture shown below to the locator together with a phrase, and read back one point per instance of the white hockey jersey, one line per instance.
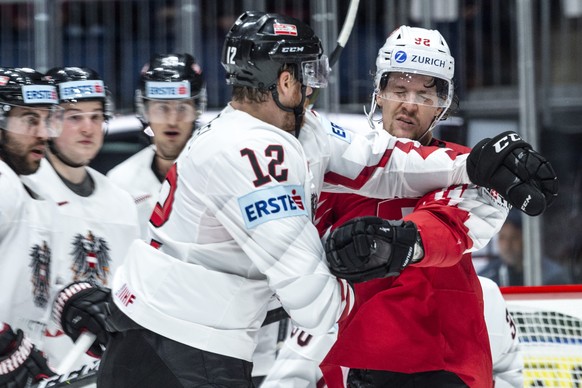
(233, 227)
(28, 257)
(503, 338)
(135, 176)
(297, 364)
(96, 232)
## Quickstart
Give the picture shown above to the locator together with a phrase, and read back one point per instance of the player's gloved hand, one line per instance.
(83, 307)
(368, 248)
(21, 363)
(511, 167)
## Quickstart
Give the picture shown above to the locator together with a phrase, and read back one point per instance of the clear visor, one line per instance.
(33, 120)
(170, 111)
(316, 73)
(76, 119)
(410, 88)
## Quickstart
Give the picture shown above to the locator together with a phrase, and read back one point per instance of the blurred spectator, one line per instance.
(507, 268)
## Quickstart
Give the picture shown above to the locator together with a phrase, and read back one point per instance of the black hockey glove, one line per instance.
(368, 248)
(21, 363)
(83, 307)
(511, 167)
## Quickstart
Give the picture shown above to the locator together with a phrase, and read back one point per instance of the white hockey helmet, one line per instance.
(415, 50)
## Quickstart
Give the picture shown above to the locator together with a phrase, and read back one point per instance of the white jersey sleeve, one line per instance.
(297, 364)
(376, 164)
(503, 338)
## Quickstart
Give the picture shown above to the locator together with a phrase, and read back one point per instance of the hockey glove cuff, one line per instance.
(83, 307)
(21, 363)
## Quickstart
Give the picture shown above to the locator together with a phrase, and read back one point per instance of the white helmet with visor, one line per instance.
(411, 51)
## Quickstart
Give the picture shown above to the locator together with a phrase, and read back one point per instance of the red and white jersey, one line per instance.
(297, 364)
(96, 232)
(135, 175)
(434, 309)
(232, 227)
(28, 257)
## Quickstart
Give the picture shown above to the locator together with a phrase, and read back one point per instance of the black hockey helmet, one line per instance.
(77, 84)
(15, 87)
(172, 77)
(28, 87)
(167, 77)
(259, 44)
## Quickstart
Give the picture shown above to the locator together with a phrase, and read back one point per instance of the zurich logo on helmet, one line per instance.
(400, 57)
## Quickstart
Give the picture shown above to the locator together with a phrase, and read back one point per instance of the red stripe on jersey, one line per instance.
(346, 297)
(337, 179)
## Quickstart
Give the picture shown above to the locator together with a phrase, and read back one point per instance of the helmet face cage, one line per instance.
(260, 44)
(29, 103)
(409, 52)
(170, 84)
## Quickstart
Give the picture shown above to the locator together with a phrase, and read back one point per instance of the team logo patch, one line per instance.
(340, 133)
(125, 295)
(272, 203)
(81, 89)
(40, 263)
(284, 29)
(39, 94)
(90, 259)
(167, 90)
(4, 80)
(400, 56)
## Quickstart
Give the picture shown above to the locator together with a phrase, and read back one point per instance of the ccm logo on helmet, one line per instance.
(502, 143)
(292, 49)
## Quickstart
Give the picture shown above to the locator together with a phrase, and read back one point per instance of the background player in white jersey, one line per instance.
(170, 98)
(29, 115)
(233, 229)
(297, 364)
(99, 218)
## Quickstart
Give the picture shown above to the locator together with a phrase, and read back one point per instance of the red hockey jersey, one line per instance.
(431, 316)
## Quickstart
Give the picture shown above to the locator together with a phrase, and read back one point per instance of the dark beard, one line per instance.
(17, 163)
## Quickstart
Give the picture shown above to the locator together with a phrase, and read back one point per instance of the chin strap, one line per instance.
(298, 111)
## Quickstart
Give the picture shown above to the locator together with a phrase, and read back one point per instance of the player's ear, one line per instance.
(286, 82)
(378, 100)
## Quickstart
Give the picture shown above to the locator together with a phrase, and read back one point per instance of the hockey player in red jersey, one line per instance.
(423, 326)
(232, 228)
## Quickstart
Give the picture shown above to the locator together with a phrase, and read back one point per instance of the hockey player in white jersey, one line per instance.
(99, 218)
(297, 364)
(232, 228)
(170, 98)
(29, 116)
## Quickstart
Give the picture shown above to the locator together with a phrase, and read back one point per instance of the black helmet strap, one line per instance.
(298, 110)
